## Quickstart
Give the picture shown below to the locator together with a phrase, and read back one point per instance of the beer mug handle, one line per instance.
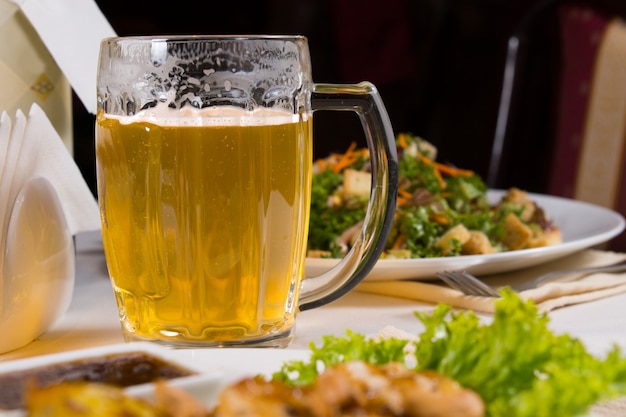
(362, 98)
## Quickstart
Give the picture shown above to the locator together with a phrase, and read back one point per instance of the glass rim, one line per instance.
(201, 37)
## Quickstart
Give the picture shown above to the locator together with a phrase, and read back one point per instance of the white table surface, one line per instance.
(92, 319)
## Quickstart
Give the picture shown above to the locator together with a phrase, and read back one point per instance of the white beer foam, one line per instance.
(210, 116)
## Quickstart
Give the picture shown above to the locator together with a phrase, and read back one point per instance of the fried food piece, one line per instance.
(176, 402)
(85, 399)
(257, 397)
(390, 390)
(354, 388)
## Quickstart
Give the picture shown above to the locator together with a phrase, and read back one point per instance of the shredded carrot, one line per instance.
(346, 159)
(439, 169)
(402, 202)
(405, 193)
(399, 242)
(439, 219)
(425, 159)
(402, 142)
(456, 172)
(442, 183)
(404, 198)
(429, 162)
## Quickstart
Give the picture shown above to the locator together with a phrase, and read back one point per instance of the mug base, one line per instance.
(279, 340)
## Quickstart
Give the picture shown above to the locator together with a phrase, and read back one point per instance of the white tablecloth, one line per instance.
(92, 318)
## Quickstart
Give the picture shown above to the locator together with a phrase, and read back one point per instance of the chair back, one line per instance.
(561, 126)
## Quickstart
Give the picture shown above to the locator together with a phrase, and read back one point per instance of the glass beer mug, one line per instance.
(204, 166)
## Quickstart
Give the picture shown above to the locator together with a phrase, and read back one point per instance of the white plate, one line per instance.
(215, 367)
(582, 225)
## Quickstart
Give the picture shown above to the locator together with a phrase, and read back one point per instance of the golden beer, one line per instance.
(205, 221)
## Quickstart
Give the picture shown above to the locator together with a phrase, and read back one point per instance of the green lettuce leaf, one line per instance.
(335, 350)
(514, 362)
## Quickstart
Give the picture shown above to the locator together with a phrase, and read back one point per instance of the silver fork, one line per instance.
(470, 285)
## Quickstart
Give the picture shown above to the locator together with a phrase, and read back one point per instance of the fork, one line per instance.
(470, 285)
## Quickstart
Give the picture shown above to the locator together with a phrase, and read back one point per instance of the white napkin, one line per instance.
(568, 291)
(30, 148)
(72, 31)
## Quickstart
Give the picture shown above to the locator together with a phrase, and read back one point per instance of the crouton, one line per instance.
(520, 199)
(458, 233)
(427, 149)
(357, 183)
(545, 238)
(517, 234)
(477, 244)
(422, 146)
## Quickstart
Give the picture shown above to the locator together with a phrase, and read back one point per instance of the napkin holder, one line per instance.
(38, 272)
(44, 202)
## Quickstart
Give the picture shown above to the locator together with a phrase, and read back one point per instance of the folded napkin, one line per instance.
(30, 148)
(570, 289)
(72, 31)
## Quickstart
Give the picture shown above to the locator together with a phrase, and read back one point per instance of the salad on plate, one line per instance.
(442, 210)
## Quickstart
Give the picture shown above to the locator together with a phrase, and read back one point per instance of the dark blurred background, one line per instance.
(438, 64)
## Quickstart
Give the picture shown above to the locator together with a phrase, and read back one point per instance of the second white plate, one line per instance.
(583, 225)
(214, 368)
